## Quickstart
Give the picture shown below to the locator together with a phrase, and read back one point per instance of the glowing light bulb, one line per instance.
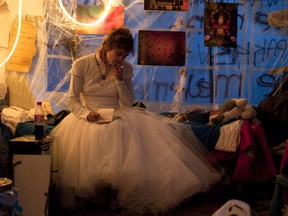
(104, 15)
(17, 36)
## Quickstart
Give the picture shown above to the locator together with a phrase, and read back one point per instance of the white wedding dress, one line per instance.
(152, 162)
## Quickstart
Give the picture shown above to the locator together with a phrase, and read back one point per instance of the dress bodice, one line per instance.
(102, 94)
(89, 91)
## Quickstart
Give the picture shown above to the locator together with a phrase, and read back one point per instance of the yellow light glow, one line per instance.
(104, 15)
(17, 36)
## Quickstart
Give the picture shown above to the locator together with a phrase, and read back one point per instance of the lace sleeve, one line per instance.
(74, 103)
(125, 87)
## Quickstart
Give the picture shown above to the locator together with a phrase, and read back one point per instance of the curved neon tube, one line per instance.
(104, 15)
(17, 36)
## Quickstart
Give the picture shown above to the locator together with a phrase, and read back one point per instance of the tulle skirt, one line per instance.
(152, 162)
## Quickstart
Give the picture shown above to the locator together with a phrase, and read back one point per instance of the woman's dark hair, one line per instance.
(117, 38)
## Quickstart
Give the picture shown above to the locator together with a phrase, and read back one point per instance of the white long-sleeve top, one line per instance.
(88, 92)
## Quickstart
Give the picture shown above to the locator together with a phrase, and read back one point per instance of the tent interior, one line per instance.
(179, 63)
(208, 77)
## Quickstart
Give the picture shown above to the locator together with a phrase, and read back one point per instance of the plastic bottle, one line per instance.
(39, 121)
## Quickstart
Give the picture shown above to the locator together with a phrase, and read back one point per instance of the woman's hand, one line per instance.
(93, 116)
(117, 70)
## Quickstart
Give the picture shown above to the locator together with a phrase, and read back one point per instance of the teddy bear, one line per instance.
(235, 108)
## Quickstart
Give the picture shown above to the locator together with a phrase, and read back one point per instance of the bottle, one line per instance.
(39, 121)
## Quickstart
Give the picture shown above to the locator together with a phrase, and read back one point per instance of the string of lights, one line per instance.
(102, 17)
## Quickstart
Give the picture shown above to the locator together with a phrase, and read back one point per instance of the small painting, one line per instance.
(164, 48)
(220, 21)
(168, 5)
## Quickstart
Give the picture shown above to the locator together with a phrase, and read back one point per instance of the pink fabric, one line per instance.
(254, 163)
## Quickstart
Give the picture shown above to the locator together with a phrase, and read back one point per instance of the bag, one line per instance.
(275, 107)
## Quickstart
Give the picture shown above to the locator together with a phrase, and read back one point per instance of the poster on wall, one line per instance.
(169, 5)
(90, 13)
(220, 21)
(163, 48)
(22, 58)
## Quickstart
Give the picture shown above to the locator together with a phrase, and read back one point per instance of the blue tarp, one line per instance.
(211, 74)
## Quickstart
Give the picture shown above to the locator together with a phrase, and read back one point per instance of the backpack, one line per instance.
(274, 108)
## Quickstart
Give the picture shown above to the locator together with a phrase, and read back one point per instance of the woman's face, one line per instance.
(220, 20)
(116, 56)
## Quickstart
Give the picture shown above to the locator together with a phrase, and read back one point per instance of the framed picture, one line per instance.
(220, 21)
(164, 48)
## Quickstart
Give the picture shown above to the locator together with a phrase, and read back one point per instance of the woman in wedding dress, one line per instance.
(151, 163)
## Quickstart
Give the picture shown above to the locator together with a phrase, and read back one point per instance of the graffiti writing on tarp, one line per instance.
(226, 86)
(266, 51)
(269, 3)
(265, 48)
(261, 19)
(213, 75)
(222, 81)
(270, 49)
(271, 82)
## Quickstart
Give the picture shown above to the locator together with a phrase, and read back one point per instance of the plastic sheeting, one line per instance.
(210, 76)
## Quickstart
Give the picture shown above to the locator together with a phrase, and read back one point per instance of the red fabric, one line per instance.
(254, 162)
(284, 163)
(284, 171)
(223, 156)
